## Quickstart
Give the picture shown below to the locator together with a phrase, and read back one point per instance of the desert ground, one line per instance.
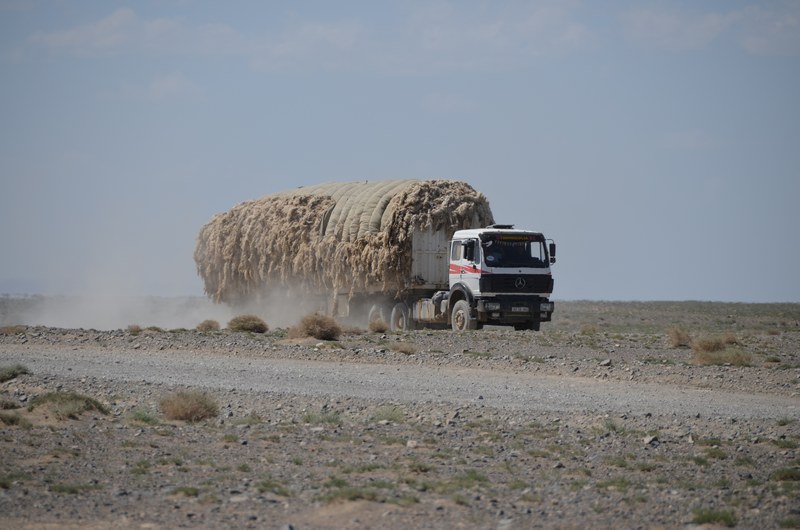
(615, 415)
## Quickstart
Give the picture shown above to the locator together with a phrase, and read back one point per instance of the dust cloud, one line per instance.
(119, 312)
(107, 313)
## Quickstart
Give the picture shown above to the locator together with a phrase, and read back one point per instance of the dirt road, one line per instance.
(411, 384)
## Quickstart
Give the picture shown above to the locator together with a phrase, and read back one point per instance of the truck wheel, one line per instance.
(376, 312)
(460, 317)
(401, 320)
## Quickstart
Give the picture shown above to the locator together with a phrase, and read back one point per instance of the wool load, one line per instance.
(330, 238)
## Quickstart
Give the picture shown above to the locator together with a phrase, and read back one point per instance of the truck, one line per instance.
(412, 253)
(495, 275)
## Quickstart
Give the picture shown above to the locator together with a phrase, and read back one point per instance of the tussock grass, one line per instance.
(67, 405)
(316, 325)
(143, 416)
(251, 323)
(723, 357)
(189, 406)
(315, 418)
(713, 343)
(389, 413)
(787, 474)
(709, 516)
(6, 480)
(13, 419)
(272, 485)
(208, 325)
(186, 491)
(141, 467)
(783, 443)
(616, 483)
(7, 373)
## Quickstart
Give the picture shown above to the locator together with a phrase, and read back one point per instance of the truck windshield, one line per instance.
(514, 250)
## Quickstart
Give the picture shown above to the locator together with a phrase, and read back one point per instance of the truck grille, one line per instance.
(517, 283)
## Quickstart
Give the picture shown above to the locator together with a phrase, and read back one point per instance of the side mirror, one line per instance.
(552, 249)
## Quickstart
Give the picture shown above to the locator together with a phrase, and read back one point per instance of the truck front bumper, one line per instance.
(510, 310)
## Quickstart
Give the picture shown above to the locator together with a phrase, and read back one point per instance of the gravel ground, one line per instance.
(594, 422)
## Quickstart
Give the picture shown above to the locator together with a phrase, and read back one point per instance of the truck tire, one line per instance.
(401, 318)
(376, 312)
(460, 317)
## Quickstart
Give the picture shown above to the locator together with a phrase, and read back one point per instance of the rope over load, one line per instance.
(330, 238)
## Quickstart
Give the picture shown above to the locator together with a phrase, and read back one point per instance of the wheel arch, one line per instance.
(458, 291)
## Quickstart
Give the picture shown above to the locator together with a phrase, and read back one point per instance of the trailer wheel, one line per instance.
(460, 317)
(376, 312)
(401, 320)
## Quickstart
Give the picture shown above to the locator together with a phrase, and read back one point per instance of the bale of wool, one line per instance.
(330, 238)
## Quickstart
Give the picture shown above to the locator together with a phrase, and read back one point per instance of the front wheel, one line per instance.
(460, 317)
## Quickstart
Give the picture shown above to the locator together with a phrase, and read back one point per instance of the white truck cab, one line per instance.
(500, 276)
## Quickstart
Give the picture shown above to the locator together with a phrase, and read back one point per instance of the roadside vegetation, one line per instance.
(251, 323)
(191, 406)
(318, 326)
(7, 373)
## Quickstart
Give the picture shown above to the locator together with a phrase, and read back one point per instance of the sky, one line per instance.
(658, 143)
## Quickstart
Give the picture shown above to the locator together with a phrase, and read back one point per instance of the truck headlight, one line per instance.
(492, 306)
(546, 307)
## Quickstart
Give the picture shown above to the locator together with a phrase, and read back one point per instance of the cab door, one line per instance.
(465, 260)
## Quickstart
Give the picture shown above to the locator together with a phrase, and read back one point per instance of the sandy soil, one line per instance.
(597, 421)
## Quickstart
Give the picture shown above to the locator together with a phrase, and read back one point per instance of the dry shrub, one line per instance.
(378, 326)
(329, 238)
(723, 357)
(134, 329)
(708, 344)
(208, 325)
(189, 406)
(251, 323)
(315, 325)
(679, 337)
(716, 343)
(13, 330)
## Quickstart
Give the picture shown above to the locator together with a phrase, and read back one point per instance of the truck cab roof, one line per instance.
(493, 229)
